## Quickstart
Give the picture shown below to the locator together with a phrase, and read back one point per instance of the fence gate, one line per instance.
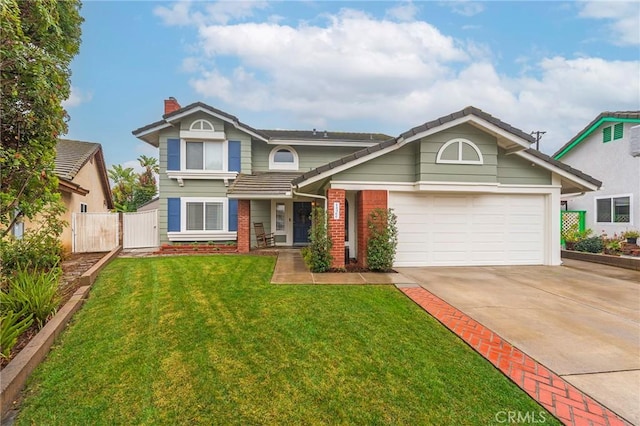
(94, 232)
(140, 229)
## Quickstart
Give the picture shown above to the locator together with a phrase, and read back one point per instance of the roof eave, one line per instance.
(588, 130)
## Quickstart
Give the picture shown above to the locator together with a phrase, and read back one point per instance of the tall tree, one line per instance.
(38, 40)
(146, 188)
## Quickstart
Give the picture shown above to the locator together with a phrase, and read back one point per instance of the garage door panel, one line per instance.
(478, 229)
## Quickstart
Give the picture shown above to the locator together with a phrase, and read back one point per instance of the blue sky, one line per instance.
(352, 66)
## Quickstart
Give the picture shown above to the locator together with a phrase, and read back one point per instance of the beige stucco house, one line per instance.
(84, 183)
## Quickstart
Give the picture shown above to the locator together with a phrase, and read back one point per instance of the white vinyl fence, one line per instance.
(140, 229)
(94, 232)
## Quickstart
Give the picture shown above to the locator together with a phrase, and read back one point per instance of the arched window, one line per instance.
(283, 158)
(459, 151)
(201, 125)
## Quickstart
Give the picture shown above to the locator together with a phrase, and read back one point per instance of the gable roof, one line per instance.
(149, 132)
(71, 156)
(434, 126)
(603, 117)
(523, 140)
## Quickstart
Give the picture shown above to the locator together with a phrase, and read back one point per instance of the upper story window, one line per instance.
(204, 155)
(283, 158)
(459, 151)
(614, 132)
(201, 125)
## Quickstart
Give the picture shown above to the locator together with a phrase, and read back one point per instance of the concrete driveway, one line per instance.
(580, 320)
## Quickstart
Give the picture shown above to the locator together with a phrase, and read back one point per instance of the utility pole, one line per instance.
(538, 134)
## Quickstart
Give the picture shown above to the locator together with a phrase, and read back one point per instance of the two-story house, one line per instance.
(604, 149)
(467, 188)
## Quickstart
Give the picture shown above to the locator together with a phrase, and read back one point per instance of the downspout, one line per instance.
(322, 197)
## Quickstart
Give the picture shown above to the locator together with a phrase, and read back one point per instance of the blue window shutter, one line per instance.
(233, 215)
(173, 216)
(234, 156)
(173, 154)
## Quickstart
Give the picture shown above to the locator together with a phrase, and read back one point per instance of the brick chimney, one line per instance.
(171, 105)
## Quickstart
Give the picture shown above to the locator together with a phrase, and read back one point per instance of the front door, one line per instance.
(301, 222)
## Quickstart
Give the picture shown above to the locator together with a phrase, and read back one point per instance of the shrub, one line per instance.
(590, 245)
(383, 240)
(32, 293)
(573, 235)
(38, 250)
(317, 255)
(12, 325)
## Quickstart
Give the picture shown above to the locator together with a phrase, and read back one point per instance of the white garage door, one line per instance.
(458, 230)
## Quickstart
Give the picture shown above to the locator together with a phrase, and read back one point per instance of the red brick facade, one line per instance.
(367, 201)
(336, 197)
(244, 226)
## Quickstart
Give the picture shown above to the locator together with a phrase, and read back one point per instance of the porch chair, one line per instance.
(263, 239)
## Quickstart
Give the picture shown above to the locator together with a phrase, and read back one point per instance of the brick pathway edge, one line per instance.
(560, 398)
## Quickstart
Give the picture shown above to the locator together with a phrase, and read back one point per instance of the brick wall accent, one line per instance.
(367, 201)
(336, 226)
(244, 226)
(171, 105)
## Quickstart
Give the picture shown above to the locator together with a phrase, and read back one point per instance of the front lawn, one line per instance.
(206, 340)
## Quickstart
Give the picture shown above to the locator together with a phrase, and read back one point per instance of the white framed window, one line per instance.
(459, 151)
(204, 156)
(204, 214)
(202, 126)
(84, 208)
(614, 209)
(283, 158)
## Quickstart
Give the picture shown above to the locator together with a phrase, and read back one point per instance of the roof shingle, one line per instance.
(71, 155)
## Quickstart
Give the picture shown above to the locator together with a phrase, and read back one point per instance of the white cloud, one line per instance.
(220, 12)
(399, 75)
(77, 97)
(179, 14)
(465, 7)
(404, 12)
(623, 19)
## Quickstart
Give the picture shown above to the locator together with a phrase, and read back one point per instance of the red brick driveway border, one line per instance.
(563, 400)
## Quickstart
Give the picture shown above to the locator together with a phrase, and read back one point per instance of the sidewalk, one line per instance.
(290, 269)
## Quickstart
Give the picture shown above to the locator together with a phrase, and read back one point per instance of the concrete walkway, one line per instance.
(290, 269)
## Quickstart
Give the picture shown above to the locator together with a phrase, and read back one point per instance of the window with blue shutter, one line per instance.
(173, 214)
(617, 131)
(173, 154)
(234, 156)
(233, 215)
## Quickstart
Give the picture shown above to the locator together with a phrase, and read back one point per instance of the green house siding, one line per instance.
(396, 166)
(515, 170)
(260, 212)
(185, 124)
(309, 157)
(429, 171)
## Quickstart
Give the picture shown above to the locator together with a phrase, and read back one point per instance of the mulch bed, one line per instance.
(72, 268)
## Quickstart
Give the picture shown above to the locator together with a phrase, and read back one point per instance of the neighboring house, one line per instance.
(467, 188)
(604, 149)
(83, 181)
(152, 204)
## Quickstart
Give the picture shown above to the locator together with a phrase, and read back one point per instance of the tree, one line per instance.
(131, 190)
(38, 40)
(124, 179)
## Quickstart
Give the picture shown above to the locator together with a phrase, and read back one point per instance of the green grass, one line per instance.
(206, 340)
